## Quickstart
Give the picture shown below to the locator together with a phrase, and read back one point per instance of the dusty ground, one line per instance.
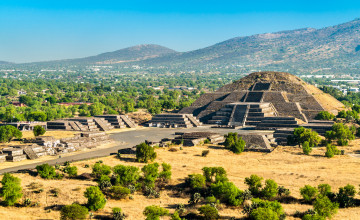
(140, 116)
(286, 165)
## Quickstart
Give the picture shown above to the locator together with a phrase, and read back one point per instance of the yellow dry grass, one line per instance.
(286, 165)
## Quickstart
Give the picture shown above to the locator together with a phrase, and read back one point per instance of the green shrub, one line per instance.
(324, 189)
(331, 150)
(345, 196)
(324, 115)
(209, 212)
(234, 143)
(8, 132)
(150, 172)
(214, 174)
(11, 189)
(227, 193)
(175, 216)
(270, 190)
(71, 171)
(340, 133)
(154, 212)
(100, 169)
(47, 172)
(261, 210)
(118, 214)
(313, 217)
(96, 199)
(38, 130)
(306, 148)
(324, 207)
(282, 191)
(308, 193)
(165, 174)
(195, 181)
(104, 182)
(254, 184)
(126, 175)
(119, 192)
(73, 212)
(302, 135)
(145, 153)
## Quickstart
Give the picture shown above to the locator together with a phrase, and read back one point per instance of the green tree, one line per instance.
(234, 143)
(324, 207)
(195, 181)
(11, 189)
(38, 130)
(71, 171)
(151, 172)
(340, 133)
(37, 116)
(8, 132)
(47, 172)
(96, 199)
(73, 212)
(100, 169)
(214, 174)
(270, 189)
(324, 115)
(308, 193)
(145, 153)
(306, 148)
(227, 193)
(118, 214)
(209, 212)
(165, 174)
(119, 192)
(154, 212)
(126, 175)
(302, 135)
(331, 150)
(254, 184)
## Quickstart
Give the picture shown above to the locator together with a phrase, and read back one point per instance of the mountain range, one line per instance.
(335, 47)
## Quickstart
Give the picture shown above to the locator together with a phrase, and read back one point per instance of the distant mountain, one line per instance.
(332, 47)
(4, 62)
(130, 54)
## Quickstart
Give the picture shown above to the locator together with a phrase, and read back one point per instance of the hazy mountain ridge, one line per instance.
(304, 49)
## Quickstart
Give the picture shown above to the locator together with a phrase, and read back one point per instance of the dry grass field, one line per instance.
(286, 165)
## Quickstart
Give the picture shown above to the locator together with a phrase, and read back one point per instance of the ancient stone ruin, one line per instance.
(263, 99)
(97, 123)
(173, 120)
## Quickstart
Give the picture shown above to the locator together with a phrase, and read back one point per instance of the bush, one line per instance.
(313, 217)
(282, 191)
(261, 209)
(100, 169)
(48, 172)
(324, 189)
(302, 135)
(340, 133)
(145, 153)
(195, 181)
(118, 214)
(209, 212)
(331, 150)
(227, 193)
(154, 212)
(126, 175)
(306, 148)
(345, 196)
(324, 207)
(175, 216)
(270, 190)
(324, 115)
(71, 171)
(73, 212)
(204, 153)
(234, 143)
(8, 132)
(165, 174)
(254, 183)
(308, 193)
(38, 130)
(119, 192)
(11, 189)
(96, 199)
(150, 172)
(104, 182)
(214, 174)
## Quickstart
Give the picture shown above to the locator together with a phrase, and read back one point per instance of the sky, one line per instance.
(32, 30)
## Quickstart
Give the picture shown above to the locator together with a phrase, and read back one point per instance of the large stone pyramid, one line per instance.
(263, 95)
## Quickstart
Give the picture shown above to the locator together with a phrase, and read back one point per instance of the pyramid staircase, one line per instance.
(30, 153)
(127, 121)
(273, 123)
(102, 124)
(170, 119)
(194, 121)
(257, 112)
(114, 120)
(85, 124)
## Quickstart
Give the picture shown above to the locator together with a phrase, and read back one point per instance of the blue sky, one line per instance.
(33, 30)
